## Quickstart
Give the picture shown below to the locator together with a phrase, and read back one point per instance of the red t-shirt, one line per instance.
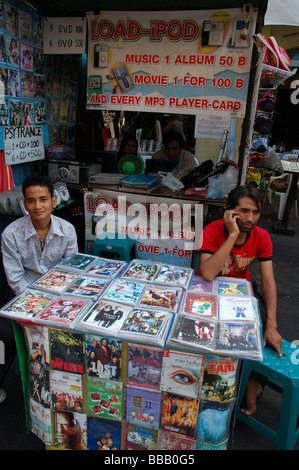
(258, 244)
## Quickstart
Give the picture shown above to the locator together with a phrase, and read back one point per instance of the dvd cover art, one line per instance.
(139, 438)
(104, 398)
(12, 50)
(236, 308)
(106, 267)
(179, 414)
(200, 304)
(162, 297)
(181, 373)
(88, 287)
(66, 391)
(213, 421)
(67, 351)
(241, 337)
(27, 113)
(54, 280)
(27, 84)
(199, 284)
(171, 441)
(70, 430)
(233, 286)
(174, 275)
(14, 83)
(40, 421)
(144, 322)
(104, 316)
(142, 270)
(39, 384)
(144, 366)
(15, 112)
(26, 52)
(143, 407)
(122, 290)
(27, 305)
(103, 434)
(63, 311)
(24, 25)
(77, 261)
(103, 357)
(219, 380)
(194, 332)
(38, 346)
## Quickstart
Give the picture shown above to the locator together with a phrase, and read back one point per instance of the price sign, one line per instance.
(23, 144)
(64, 35)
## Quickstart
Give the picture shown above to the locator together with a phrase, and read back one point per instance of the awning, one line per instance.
(282, 13)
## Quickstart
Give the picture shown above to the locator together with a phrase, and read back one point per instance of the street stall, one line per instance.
(186, 62)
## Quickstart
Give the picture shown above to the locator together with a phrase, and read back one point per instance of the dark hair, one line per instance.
(172, 136)
(126, 138)
(247, 190)
(37, 180)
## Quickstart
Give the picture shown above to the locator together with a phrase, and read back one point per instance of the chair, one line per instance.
(283, 195)
(282, 375)
(124, 247)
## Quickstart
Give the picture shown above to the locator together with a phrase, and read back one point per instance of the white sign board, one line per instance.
(64, 35)
(23, 144)
(211, 127)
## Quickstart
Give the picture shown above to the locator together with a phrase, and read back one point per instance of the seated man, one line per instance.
(173, 143)
(38, 241)
(30, 246)
(228, 247)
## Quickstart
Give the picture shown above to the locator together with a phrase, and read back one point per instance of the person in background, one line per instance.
(173, 143)
(128, 146)
(31, 245)
(227, 248)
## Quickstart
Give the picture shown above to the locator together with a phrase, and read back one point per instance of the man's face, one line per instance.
(172, 150)
(248, 214)
(39, 203)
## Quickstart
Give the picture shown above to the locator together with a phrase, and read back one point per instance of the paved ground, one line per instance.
(13, 434)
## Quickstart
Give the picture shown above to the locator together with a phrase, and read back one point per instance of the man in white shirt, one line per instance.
(31, 246)
(173, 150)
(38, 241)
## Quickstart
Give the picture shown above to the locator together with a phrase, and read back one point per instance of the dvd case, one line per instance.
(54, 280)
(78, 262)
(104, 317)
(27, 305)
(106, 267)
(142, 270)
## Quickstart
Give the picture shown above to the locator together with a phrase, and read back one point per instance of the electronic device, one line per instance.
(123, 78)
(212, 33)
(101, 55)
(131, 164)
(69, 172)
(239, 39)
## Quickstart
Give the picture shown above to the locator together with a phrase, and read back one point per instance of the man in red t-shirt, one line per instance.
(227, 248)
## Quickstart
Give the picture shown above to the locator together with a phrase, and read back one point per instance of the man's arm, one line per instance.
(269, 291)
(13, 266)
(211, 264)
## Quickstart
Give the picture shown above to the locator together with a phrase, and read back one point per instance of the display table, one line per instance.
(143, 374)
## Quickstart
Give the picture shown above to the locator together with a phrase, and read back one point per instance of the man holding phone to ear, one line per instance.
(227, 248)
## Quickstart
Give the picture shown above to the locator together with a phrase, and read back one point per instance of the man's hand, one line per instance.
(273, 338)
(230, 219)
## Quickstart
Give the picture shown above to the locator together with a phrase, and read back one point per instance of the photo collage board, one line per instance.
(35, 89)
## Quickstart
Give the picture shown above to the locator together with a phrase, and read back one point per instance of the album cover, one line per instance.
(87, 287)
(199, 284)
(197, 303)
(181, 373)
(105, 398)
(213, 421)
(179, 414)
(146, 325)
(67, 351)
(161, 297)
(38, 346)
(27, 84)
(141, 270)
(174, 275)
(144, 366)
(77, 262)
(103, 357)
(143, 407)
(193, 332)
(63, 311)
(170, 441)
(54, 281)
(28, 305)
(39, 384)
(122, 290)
(104, 317)
(66, 391)
(106, 267)
(139, 438)
(236, 308)
(40, 421)
(238, 338)
(103, 434)
(70, 430)
(220, 378)
(234, 286)
(26, 52)
(12, 51)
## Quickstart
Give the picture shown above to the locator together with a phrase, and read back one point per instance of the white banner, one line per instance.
(196, 62)
(163, 230)
(23, 144)
(64, 35)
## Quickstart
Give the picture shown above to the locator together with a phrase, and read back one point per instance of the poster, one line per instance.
(195, 62)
